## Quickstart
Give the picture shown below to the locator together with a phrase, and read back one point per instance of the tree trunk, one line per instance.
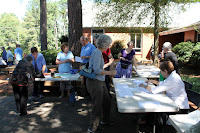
(156, 32)
(43, 24)
(56, 35)
(75, 26)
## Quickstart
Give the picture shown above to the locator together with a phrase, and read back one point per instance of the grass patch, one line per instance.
(195, 81)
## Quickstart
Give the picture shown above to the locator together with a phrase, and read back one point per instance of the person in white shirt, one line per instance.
(173, 86)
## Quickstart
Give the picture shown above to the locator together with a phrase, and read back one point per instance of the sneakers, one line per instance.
(41, 96)
(90, 131)
(61, 96)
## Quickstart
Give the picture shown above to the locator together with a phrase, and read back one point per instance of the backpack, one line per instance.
(20, 75)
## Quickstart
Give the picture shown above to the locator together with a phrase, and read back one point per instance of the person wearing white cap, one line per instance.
(168, 54)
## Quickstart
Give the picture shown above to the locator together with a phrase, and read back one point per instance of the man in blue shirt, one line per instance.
(86, 52)
(87, 49)
(39, 64)
(4, 54)
(18, 54)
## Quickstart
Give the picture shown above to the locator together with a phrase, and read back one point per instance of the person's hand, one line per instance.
(111, 60)
(83, 57)
(122, 58)
(68, 60)
(141, 85)
(113, 72)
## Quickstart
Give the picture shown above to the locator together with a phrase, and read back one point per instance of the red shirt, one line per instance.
(105, 55)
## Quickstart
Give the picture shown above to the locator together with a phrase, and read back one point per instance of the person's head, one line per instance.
(103, 42)
(17, 45)
(166, 67)
(84, 40)
(9, 48)
(130, 44)
(28, 58)
(65, 47)
(34, 52)
(167, 46)
(3, 48)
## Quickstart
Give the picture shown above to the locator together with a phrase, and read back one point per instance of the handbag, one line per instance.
(39, 74)
(87, 72)
(124, 66)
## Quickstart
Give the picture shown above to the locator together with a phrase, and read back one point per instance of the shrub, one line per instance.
(116, 48)
(183, 51)
(195, 59)
(50, 56)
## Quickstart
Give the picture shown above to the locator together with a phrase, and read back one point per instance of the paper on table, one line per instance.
(148, 104)
(78, 59)
(124, 90)
(138, 82)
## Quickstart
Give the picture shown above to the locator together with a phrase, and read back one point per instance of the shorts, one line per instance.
(65, 85)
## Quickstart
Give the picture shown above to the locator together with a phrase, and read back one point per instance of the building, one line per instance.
(141, 34)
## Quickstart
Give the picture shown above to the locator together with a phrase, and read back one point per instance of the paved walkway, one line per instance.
(54, 115)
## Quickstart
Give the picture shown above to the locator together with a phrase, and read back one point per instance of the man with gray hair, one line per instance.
(86, 52)
(168, 54)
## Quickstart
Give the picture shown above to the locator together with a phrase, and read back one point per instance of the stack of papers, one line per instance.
(78, 59)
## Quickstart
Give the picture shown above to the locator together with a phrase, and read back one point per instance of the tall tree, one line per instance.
(43, 24)
(9, 28)
(75, 25)
(154, 11)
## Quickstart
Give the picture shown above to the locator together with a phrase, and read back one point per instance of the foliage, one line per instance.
(183, 51)
(63, 38)
(9, 29)
(194, 81)
(195, 59)
(50, 56)
(116, 48)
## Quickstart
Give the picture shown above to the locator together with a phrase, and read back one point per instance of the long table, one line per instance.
(147, 71)
(60, 77)
(141, 102)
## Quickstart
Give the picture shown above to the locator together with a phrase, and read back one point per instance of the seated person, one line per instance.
(172, 85)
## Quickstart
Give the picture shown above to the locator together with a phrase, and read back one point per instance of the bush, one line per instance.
(116, 48)
(195, 59)
(183, 51)
(50, 56)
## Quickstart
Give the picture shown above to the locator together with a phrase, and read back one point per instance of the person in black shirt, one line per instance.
(20, 79)
(168, 54)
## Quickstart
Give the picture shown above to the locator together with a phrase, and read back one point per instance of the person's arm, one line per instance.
(153, 81)
(112, 73)
(111, 59)
(44, 68)
(85, 57)
(134, 61)
(61, 62)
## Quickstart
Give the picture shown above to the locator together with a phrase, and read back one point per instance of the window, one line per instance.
(96, 32)
(136, 38)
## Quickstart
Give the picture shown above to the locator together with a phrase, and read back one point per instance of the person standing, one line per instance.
(39, 65)
(21, 76)
(96, 87)
(86, 52)
(168, 54)
(18, 52)
(10, 57)
(108, 60)
(64, 59)
(124, 67)
(4, 54)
